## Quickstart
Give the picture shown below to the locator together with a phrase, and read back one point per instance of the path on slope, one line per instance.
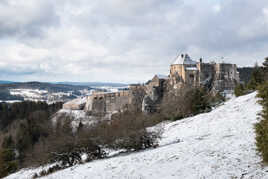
(219, 144)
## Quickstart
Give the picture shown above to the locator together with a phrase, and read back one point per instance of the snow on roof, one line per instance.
(184, 59)
(192, 68)
(77, 101)
(162, 76)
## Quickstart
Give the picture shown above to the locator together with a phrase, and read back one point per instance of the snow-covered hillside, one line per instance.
(42, 95)
(219, 144)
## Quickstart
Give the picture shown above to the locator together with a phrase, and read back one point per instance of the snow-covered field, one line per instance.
(11, 101)
(215, 145)
(41, 95)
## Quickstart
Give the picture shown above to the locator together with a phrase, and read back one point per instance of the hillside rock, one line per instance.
(76, 104)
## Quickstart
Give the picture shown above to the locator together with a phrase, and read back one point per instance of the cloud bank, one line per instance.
(125, 40)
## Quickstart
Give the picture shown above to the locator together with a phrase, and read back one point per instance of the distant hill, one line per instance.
(94, 84)
(44, 86)
(6, 82)
(32, 91)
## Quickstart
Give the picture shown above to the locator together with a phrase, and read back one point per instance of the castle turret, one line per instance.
(183, 71)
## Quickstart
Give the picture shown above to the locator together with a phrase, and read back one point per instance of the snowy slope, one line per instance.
(219, 144)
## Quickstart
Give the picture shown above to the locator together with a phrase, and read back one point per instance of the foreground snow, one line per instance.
(219, 144)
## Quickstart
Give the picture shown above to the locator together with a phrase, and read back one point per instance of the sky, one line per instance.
(125, 40)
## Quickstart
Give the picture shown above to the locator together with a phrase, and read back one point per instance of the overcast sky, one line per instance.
(125, 40)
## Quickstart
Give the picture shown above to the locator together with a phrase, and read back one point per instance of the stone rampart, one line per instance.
(108, 102)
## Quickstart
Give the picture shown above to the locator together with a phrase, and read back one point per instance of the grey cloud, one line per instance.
(24, 21)
(129, 40)
(16, 72)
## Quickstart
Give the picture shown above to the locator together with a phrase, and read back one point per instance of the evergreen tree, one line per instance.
(265, 63)
(199, 101)
(240, 90)
(257, 78)
(262, 126)
(265, 67)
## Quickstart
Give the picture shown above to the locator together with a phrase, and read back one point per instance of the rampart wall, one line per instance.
(108, 102)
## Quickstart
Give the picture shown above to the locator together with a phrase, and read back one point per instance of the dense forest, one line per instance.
(21, 126)
(19, 111)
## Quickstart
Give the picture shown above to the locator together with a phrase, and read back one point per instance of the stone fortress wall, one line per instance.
(226, 77)
(108, 102)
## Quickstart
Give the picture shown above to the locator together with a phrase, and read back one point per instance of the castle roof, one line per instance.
(164, 77)
(191, 68)
(184, 59)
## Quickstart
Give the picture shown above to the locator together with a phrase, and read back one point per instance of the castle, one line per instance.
(217, 77)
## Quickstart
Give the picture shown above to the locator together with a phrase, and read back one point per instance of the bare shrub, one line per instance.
(126, 131)
(181, 103)
(65, 147)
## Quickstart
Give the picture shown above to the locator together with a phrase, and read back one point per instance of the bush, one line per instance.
(64, 146)
(69, 153)
(126, 131)
(187, 102)
(240, 90)
(136, 141)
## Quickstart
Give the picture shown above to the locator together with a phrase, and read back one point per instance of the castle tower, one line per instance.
(184, 71)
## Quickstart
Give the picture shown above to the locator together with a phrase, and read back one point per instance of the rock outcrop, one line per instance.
(76, 104)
